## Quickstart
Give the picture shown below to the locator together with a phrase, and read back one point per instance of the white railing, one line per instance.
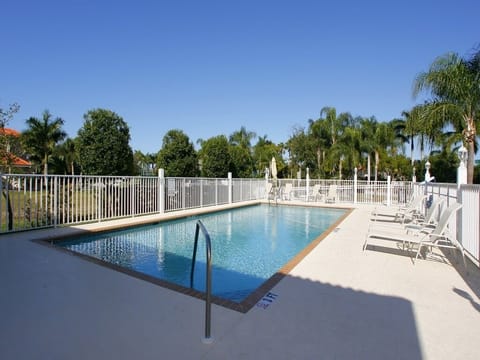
(470, 219)
(353, 191)
(35, 201)
(467, 225)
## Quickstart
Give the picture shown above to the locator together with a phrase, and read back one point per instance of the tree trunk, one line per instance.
(377, 160)
(470, 134)
(368, 167)
(45, 165)
(470, 161)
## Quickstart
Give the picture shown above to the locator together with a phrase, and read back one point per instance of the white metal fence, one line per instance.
(353, 191)
(35, 201)
(467, 225)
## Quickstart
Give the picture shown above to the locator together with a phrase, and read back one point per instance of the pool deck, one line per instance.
(340, 302)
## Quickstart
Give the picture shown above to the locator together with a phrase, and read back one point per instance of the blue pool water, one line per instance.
(249, 245)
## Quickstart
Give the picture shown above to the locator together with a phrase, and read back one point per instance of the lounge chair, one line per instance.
(439, 236)
(269, 194)
(418, 222)
(401, 214)
(332, 194)
(314, 193)
(287, 191)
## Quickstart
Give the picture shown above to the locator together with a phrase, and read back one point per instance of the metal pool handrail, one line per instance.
(208, 300)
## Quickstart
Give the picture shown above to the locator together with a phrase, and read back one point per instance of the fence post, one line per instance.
(355, 186)
(307, 183)
(389, 191)
(55, 201)
(161, 191)
(230, 187)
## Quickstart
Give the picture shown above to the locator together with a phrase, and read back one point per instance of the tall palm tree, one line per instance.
(454, 84)
(319, 131)
(42, 136)
(242, 138)
(69, 154)
(367, 133)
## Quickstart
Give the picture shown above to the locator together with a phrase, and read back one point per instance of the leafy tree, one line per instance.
(41, 138)
(103, 144)
(302, 150)
(215, 157)
(5, 139)
(444, 166)
(319, 130)
(178, 156)
(241, 161)
(263, 151)
(241, 153)
(65, 158)
(454, 84)
(242, 138)
(146, 164)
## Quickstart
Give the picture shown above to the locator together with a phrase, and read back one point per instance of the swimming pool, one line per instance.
(249, 246)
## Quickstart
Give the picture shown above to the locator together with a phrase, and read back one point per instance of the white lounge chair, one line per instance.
(418, 222)
(269, 194)
(332, 194)
(287, 191)
(314, 194)
(439, 236)
(401, 214)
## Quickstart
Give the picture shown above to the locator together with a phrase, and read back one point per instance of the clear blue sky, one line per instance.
(209, 67)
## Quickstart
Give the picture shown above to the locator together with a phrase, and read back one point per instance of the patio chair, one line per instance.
(287, 191)
(439, 236)
(418, 221)
(314, 194)
(332, 194)
(269, 191)
(401, 214)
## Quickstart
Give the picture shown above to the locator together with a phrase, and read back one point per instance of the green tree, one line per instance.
(263, 151)
(177, 155)
(41, 138)
(241, 161)
(64, 158)
(146, 164)
(241, 153)
(215, 157)
(6, 140)
(242, 138)
(302, 150)
(103, 144)
(454, 84)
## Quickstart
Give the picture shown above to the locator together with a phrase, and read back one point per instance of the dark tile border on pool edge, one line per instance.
(244, 306)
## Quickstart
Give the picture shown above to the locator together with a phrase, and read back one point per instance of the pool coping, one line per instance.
(245, 305)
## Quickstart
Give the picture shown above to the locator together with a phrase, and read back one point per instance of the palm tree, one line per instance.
(454, 84)
(42, 137)
(68, 154)
(319, 130)
(242, 138)
(367, 133)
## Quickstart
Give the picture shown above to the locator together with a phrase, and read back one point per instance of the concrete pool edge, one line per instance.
(244, 306)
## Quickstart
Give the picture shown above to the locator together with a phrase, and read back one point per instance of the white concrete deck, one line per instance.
(338, 303)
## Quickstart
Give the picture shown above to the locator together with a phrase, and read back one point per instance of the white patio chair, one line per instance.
(439, 236)
(418, 222)
(332, 194)
(314, 194)
(401, 214)
(287, 191)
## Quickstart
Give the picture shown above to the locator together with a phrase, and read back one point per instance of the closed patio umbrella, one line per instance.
(273, 168)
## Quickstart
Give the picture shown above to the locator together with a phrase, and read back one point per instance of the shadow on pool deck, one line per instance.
(61, 307)
(311, 319)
